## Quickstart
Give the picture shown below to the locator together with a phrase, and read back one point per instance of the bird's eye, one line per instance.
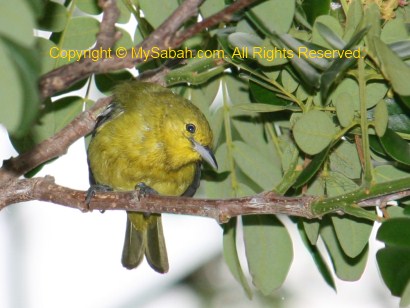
(190, 128)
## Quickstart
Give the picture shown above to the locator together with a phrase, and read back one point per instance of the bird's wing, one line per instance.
(191, 190)
(112, 111)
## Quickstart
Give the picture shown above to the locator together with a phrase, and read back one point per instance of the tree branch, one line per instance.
(54, 146)
(62, 77)
(44, 189)
(108, 34)
(165, 36)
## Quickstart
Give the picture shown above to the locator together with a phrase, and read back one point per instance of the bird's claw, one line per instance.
(93, 190)
(144, 190)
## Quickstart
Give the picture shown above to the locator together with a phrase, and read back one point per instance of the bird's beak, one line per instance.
(206, 154)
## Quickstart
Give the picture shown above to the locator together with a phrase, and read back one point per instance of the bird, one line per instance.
(156, 140)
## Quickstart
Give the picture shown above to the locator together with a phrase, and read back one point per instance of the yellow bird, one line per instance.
(152, 136)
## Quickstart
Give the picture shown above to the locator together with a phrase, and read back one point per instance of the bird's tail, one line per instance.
(144, 235)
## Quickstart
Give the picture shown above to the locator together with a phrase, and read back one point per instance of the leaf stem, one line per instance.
(229, 141)
(368, 171)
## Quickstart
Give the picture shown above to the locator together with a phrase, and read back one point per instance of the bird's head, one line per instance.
(188, 134)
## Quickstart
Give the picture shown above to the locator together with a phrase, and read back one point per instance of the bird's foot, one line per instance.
(94, 189)
(144, 190)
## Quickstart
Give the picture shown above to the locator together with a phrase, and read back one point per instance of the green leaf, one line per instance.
(156, 11)
(345, 160)
(231, 255)
(353, 18)
(28, 67)
(203, 96)
(346, 268)
(402, 49)
(308, 73)
(347, 85)
(394, 267)
(381, 118)
(396, 147)
(311, 230)
(89, 6)
(395, 232)
(211, 7)
(301, 18)
(106, 82)
(331, 23)
(396, 71)
(276, 14)
(255, 107)
(54, 17)
(17, 22)
(337, 184)
(394, 30)
(254, 164)
(353, 234)
(125, 12)
(315, 8)
(372, 19)
(289, 82)
(237, 89)
(265, 96)
(332, 38)
(268, 250)
(251, 132)
(376, 145)
(394, 260)
(386, 173)
(37, 7)
(79, 34)
(305, 51)
(344, 108)
(301, 93)
(356, 39)
(405, 296)
(124, 41)
(314, 131)
(309, 172)
(399, 120)
(246, 44)
(55, 116)
(47, 62)
(11, 89)
(334, 74)
(375, 91)
(317, 257)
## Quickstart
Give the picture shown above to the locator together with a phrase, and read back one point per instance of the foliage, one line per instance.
(315, 100)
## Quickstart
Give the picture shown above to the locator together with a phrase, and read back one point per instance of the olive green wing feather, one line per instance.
(134, 246)
(156, 251)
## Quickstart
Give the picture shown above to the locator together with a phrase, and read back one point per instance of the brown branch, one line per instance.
(223, 16)
(108, 34)
(44, 189)
(165, 36)
(54, 146)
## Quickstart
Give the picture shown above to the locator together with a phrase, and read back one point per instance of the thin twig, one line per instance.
(108, 34)
(165, 36)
